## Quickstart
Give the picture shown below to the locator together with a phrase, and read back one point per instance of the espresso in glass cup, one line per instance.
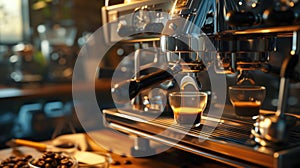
(188, 107)
(247, 100)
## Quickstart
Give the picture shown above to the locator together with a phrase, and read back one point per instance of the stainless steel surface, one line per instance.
(229, 143)
(113, 15)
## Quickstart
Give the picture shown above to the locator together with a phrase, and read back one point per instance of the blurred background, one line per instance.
(39, 43)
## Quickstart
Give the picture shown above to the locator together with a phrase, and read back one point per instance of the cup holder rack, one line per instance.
(230, 142)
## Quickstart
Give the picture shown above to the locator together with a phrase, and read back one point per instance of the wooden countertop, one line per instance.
(171, 158)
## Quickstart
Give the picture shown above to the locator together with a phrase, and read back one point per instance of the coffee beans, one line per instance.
(47, 160)
(53, 160)
(16, 162)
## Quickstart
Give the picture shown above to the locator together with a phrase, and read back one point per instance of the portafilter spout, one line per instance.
(273, 129)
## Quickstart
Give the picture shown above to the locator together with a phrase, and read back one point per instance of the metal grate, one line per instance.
(222, 131)
(230, 130)
(232, 133)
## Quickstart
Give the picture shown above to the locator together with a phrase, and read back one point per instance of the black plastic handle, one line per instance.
(236, 18)
(278, 17)
(128, 89)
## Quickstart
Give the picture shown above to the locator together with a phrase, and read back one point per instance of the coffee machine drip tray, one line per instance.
(227, 140)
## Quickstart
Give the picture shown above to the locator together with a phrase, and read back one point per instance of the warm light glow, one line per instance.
(266, 31)
(263, 143)
(253, 5)
(173, 8)
(39, 5)
(292, 52)
(292, 4)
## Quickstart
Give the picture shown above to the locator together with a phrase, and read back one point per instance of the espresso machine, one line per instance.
(197, 46)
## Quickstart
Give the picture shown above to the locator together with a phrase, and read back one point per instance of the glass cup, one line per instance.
(247, 100)
(188, 107)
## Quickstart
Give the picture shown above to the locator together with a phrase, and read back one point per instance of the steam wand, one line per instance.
(273, 129)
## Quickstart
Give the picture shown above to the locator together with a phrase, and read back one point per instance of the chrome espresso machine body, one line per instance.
(234, 38)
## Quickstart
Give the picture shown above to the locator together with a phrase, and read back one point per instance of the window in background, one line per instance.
(14, 21)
